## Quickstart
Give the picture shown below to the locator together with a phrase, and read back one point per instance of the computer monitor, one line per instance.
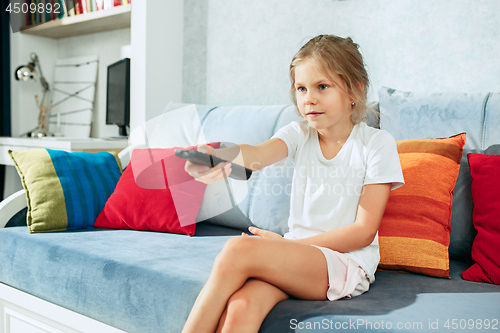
(118, 95)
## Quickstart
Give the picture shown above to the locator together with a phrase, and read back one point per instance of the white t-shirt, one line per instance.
(325, 193)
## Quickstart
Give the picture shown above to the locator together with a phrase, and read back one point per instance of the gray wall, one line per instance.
(238, 52)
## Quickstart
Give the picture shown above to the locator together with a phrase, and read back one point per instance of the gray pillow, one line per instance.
(462, 228)
(462, 231)
(374, 119)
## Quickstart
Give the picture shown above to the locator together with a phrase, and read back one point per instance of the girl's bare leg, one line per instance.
(247, 308)
(297, 269)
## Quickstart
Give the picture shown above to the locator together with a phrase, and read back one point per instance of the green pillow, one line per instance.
(65, 191)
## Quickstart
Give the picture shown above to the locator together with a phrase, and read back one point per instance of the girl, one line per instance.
(344, 172)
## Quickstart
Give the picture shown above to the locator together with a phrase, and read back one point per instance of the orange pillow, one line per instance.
(415, 231)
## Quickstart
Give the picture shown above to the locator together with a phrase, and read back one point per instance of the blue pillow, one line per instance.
(65, 191)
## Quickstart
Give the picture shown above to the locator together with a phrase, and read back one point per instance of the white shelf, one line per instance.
(103, 20)
(59, 143)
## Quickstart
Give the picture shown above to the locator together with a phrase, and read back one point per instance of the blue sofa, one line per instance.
(147, 282)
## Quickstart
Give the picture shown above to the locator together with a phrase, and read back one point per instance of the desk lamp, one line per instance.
(27, 73)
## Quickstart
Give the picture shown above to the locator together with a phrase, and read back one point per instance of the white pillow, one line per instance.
(182, 128)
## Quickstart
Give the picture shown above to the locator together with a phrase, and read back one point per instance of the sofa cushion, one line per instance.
(269, 201)
(179, 126)
(492, 120)
(65, 191)
(408, 115)
(240, 204)
(147, 282)
(415, 231)
(414, 302)
(462, 231)
(485, 172)
(136, 281)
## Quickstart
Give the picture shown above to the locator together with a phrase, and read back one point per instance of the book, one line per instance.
(53, 14)
(27, 19)
(41, 10)
(41, 14)
(64, 9)
(71, 7)
(78, 7)
(47, 10)
(32, 14)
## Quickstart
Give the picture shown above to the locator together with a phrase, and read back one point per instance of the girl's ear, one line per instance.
(361, 87)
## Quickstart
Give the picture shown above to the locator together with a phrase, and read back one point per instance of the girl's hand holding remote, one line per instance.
(206, 174)
(263, 233)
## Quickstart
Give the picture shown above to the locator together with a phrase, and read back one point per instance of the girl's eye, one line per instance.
(322, 86)
(301, 89)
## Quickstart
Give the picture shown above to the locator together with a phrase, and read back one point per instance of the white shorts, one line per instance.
(346, 278)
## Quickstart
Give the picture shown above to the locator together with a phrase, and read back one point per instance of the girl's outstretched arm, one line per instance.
(252, 157)
(361, 233)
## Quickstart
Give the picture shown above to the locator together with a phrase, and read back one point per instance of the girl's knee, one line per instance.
(241, 308)
(234, 252)
(238, 244)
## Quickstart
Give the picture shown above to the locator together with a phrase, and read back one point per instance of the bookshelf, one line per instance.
(103, 20)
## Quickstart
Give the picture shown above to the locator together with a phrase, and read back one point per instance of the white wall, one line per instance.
(157, 52)
(416, 45)
(24, 111)
(107, 46)
(194, 66)
(138, 66)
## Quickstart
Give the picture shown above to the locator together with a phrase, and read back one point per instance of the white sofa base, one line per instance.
(23, 313)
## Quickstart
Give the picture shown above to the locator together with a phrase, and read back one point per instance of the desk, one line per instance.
(57, 143)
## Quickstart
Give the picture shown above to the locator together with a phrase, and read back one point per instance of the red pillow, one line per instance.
(154, 193)
(485, 189)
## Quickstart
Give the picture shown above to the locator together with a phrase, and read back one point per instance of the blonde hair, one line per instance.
(338, 55)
